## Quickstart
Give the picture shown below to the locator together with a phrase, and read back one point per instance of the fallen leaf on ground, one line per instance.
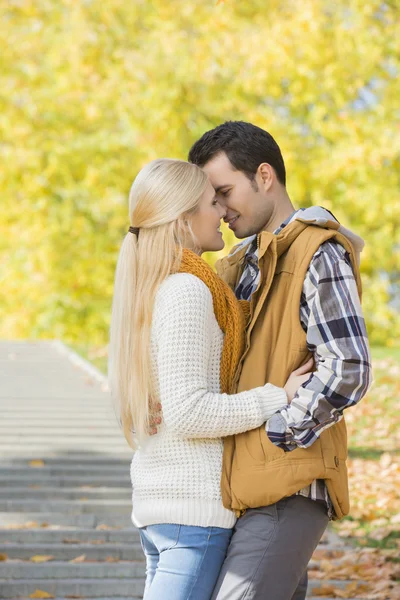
(350, 591)
(41, 594)
(39, 558)
(36, 463)
(324, 590)
(3, 557)
(78, 559)
(29, 525)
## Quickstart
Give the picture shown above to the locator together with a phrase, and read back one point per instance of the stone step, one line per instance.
(63, 404)
(314, 584)
(27, 389)
(43, 519)
(45, 375)
(76, 469)
(12, 452)
(96, 588)
(68, 570)
(52, 423)
(68, 507)
(71, 536)
(29, 368)
(84, 440)
(66, 552)
(67, 481)
(331, 539)
(34, 351)
(86, 588)
(30, 445)
(69, 461)
(74, 428)
(36, 428)
(65, 493)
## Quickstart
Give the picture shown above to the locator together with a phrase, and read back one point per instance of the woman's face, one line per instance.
(206, 222)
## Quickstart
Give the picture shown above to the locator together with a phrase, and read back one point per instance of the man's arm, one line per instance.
(332, 317)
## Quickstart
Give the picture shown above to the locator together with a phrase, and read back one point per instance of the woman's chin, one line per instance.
(220, 245)
(214, 246)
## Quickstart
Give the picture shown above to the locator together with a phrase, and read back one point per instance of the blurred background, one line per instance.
(91, 90)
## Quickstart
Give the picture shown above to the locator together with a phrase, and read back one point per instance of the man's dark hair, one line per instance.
(246, 146)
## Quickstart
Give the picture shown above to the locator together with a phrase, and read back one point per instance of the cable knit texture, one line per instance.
(229, 312)
(176, 473)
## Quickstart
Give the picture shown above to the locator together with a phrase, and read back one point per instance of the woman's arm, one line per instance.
(184, 331)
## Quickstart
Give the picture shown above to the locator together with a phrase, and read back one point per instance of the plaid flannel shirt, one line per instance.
(331, 316)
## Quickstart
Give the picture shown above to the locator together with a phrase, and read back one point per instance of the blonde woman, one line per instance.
(177, 334)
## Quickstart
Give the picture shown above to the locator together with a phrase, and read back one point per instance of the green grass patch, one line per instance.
(381, 353)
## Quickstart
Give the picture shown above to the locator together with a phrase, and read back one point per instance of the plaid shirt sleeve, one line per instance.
(332, 317)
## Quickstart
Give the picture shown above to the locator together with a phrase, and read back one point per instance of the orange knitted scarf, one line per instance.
(229, 312)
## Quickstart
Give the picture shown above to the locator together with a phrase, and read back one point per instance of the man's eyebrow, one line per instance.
(221, 187)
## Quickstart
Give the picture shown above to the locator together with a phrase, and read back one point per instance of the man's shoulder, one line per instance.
(330, 250)
(329, 263)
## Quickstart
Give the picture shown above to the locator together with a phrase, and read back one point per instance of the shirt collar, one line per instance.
(290, 218)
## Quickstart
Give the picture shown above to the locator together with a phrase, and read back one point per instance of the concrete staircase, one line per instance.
(64, 482)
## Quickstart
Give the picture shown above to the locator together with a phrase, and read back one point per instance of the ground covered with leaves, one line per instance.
(372, 568)
(369, 565)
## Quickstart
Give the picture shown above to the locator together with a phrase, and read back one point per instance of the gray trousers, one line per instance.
(269, 551)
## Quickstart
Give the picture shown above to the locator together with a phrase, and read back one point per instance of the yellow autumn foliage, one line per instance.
(92, 89)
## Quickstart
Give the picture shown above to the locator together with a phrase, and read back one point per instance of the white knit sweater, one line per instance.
(176, 473)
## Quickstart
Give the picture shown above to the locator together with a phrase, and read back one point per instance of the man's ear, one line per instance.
(265, 176)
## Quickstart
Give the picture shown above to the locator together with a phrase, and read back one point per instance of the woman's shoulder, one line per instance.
(183, 303)
(185, 287)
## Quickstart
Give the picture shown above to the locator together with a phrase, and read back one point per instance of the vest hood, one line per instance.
(316, 215)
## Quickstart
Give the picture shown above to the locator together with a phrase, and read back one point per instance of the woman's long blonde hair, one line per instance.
(163, 196)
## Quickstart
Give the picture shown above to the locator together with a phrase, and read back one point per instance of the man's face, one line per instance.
(248, 206)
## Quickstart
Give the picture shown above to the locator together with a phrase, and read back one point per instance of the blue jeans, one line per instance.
(182, 562)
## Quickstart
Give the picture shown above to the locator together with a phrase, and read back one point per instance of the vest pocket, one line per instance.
(249, 452)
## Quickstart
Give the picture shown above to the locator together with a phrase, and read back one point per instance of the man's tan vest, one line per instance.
(255, 471)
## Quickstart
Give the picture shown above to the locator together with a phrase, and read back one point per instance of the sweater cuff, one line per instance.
(274, 398)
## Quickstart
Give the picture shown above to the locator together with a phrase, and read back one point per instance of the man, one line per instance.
(300, 271)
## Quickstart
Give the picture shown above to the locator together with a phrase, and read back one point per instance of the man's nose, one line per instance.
(222, 211)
